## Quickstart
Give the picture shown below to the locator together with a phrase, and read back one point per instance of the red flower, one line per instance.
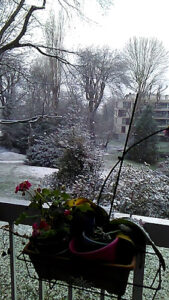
(23, 186)
(66, 212)
(44, 225)
(35, 231)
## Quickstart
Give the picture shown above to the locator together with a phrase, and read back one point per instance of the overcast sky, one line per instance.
(125, 19)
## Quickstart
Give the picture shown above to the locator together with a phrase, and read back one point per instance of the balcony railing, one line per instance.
(157, 228)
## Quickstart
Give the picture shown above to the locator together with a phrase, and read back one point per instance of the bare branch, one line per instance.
(30, 120)
(63, 60)
(11, 19)
(16, 42)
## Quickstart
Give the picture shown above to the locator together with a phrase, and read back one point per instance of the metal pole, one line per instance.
(41, 290)
(70, 292)
(102, 295)
(138, 278)
(12, 262)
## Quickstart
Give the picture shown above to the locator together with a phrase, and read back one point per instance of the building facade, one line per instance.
(123, 111)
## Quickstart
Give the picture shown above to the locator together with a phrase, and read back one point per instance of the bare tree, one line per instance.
(98, 69)
(54, 37)
(147, 62)
(12, 72)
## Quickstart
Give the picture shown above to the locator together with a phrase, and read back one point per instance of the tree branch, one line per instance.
(15, 43)
(29, 120)
(63, 60)
(11, 19)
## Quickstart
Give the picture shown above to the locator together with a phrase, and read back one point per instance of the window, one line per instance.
(160, 114)
(162, 122)
(123, 129)
(121, 113)
(127, 105)
(161, 105)
(126, 121)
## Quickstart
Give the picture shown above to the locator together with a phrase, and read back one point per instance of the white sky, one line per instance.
(125, 19)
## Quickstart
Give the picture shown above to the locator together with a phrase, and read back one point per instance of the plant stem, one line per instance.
(124, 151)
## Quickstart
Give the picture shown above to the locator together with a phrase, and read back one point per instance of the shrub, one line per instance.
(147, 150)
(44, 152)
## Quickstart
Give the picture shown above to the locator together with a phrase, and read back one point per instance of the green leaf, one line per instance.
(24, 216)
(65, 196)
(140, 232)
(46, 192)
(84, 207)
(56, 193)
(21, 218)
(34, 205)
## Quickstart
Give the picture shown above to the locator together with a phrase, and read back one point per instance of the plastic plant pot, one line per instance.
(105, 253)
(88, 244)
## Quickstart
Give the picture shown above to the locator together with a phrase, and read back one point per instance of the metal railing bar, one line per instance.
(12, 262)
(41, 290)
(102, 294)
(70, 292)
(138, 277)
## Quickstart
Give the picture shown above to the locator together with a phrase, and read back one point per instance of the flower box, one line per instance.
(65, 267)
(60, 246)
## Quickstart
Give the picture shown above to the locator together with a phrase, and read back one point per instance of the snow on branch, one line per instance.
(29, 120)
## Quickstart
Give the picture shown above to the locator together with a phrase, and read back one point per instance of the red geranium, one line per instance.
(23, 186)
(44, 225)
(67, 212)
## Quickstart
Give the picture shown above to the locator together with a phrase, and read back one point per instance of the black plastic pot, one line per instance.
(65, 267)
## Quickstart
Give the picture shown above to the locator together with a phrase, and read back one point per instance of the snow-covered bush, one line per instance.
(80, 161)
(141, 191)
(44, 152)
(79, 169)
(164, 167)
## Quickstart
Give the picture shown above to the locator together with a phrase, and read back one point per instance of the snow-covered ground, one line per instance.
(13, 171)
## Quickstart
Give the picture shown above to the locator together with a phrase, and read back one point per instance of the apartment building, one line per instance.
(123, 110)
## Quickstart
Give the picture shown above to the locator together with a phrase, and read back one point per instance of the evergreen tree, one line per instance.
(145, 151)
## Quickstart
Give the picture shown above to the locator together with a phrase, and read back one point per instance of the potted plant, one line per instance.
(74, 238)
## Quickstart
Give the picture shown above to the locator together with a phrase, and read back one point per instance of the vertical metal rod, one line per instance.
(41, 290)
(70, 292)
(138, 278)
(12, 262)
(102, 295)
